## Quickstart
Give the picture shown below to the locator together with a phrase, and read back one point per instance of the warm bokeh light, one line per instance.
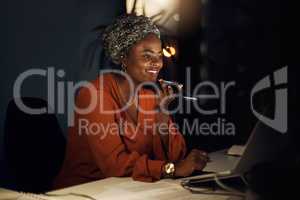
(166, 53)
(169, 51)
(151, 7)
(176, 17)
(163, 12)
(172, 50)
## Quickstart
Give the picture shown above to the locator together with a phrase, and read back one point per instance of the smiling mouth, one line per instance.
(152, 71)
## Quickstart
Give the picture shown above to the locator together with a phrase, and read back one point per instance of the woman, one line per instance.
(137, 150)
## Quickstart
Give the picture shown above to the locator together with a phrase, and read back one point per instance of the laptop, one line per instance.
(263, 145)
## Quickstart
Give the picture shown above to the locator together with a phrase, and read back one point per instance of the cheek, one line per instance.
(136, 69)
(161, 63)
(139, 66)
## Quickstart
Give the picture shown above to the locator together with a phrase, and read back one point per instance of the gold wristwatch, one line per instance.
(169, 170)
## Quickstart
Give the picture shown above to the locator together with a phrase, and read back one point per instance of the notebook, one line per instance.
(31, 196)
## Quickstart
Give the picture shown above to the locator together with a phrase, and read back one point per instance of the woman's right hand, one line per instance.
(196, 160)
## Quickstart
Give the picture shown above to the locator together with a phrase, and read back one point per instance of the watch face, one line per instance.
(170, 168)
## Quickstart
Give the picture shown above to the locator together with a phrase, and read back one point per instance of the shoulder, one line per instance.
(105, 85)
(104, 82)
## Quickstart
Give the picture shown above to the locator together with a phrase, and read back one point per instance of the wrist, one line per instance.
(163, 109)
(162, 116)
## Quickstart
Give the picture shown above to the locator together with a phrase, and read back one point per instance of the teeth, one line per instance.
(153, 71)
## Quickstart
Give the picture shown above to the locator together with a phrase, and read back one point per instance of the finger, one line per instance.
(170, 90)
(163, 86)
(204, 158)
(193, 154)
(201, 152)
(176, 85)
(195, 150)
(179, 88)
(200, 165)
(171, 93)
(199, 158)
(200, 155)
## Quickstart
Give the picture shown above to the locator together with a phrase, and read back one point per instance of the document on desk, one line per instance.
(236, 150)
(126, 189)
(30, 196)
(151, 191)
(13, 195)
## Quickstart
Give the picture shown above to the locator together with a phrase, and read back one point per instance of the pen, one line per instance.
(190, 98)
(169, 82)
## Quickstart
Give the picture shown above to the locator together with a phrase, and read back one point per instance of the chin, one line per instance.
(152, 80)
(149, 79)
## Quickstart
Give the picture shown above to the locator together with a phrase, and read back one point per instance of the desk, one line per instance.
(8, 194)
(127, 189)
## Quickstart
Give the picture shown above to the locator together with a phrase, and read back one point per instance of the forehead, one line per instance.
(150, 42)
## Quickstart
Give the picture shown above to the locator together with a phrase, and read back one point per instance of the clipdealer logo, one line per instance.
(280, 120)
(61, 95)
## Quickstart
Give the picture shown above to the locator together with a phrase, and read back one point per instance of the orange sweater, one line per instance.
(96, 149)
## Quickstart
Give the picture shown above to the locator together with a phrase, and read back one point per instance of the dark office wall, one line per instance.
(41, 34)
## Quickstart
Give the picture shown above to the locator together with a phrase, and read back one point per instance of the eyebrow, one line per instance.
(150, 51)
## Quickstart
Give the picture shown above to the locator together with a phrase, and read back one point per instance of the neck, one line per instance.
(125, 83)
(125, 87)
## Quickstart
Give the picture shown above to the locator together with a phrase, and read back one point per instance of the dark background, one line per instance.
(242, 42)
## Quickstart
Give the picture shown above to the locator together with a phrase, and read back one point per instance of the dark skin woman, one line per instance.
(96, 149)
(143, 63)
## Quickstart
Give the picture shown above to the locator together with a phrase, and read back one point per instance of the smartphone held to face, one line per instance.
(177, 87)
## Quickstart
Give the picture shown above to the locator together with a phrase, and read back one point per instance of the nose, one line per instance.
(157, 62)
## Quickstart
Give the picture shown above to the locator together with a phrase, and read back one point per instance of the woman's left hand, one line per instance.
(167, 94)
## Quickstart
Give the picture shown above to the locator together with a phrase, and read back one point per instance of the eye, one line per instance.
(147, 57)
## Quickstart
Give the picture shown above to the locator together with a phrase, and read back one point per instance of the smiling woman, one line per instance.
(136, 145)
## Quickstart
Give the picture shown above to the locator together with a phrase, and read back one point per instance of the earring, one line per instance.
(124, 68)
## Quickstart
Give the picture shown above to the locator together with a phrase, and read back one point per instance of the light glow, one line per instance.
(163, 12)
(169, 51)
